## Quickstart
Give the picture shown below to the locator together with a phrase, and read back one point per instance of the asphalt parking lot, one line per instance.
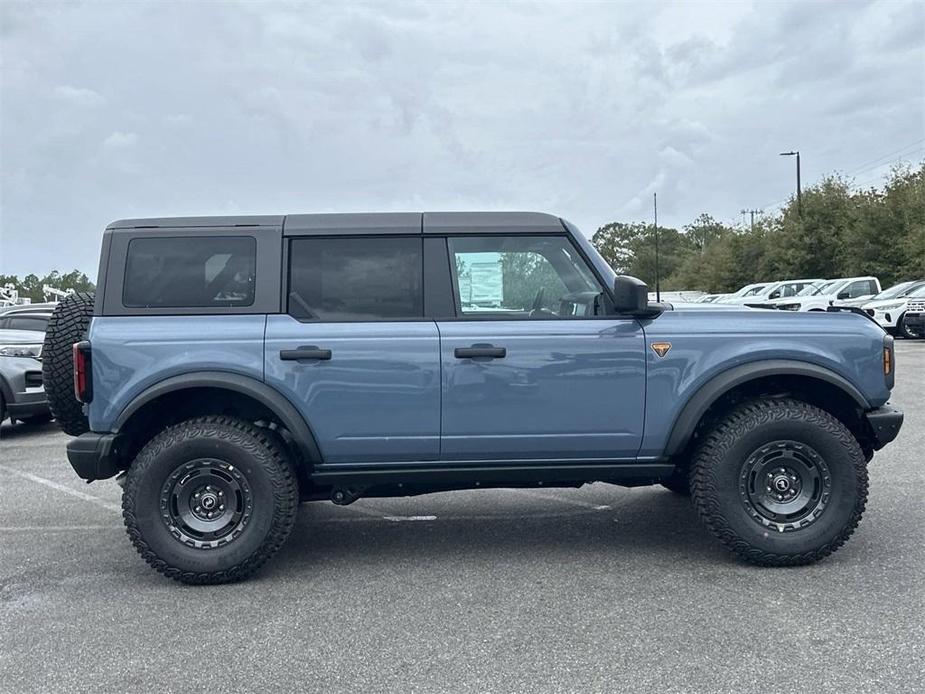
(600, 589)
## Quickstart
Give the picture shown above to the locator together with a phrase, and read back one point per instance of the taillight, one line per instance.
(83, 381)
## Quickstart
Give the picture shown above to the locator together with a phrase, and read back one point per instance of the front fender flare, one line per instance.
(288, 415)
(687, 420)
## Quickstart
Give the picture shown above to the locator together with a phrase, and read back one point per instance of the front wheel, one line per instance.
(210, 500)
(780, 482)
(904, 329)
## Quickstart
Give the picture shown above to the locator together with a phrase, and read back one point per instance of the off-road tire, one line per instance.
(903, 330)
(678, 482)
(717, 475)
(68, 324)
(256, 453)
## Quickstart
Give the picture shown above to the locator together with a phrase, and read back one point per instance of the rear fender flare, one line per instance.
(288, 415)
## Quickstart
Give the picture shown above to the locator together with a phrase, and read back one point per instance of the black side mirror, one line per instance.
(630, 295)
(844, 295)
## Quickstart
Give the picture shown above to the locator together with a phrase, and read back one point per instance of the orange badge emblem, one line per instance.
(661, 348)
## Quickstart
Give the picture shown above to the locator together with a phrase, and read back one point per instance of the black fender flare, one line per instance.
(270, 398)
(697, 405)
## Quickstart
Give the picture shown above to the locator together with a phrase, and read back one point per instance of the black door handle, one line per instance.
(306, 352)
(480, 351)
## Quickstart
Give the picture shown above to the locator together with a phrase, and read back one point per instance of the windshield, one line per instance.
(896, 290)
(813, 289)
(749, 290)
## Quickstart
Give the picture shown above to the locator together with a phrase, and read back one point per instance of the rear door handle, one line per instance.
(480, 351)
(306, 352)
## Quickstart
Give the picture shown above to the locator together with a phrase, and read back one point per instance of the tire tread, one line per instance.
(67, 325)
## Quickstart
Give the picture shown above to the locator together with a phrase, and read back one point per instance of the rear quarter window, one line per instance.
(190, 272)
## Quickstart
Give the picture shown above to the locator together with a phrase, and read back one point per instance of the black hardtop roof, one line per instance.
(363, 222)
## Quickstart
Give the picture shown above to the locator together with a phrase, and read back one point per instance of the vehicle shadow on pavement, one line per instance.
(654, 524)
(10, 432)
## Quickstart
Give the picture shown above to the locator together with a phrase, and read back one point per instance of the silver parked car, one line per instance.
(21, 393)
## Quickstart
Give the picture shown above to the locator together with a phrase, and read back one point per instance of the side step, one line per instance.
(469, 475)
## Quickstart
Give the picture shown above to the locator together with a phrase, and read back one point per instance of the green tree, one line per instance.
(31, 285)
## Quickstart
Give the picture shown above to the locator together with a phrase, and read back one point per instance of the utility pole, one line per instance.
(658, 289)
(752, 213)
(799, 188)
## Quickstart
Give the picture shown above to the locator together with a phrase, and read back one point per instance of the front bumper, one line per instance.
(21, 386)
(885, 319)
(885, 423)
(94, 456)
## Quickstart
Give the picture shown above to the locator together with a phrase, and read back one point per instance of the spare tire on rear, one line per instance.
(68, 324)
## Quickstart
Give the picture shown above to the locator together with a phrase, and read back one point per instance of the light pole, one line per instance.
(799, 192)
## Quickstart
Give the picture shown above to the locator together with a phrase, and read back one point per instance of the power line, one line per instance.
(913, 147)
(860, 168)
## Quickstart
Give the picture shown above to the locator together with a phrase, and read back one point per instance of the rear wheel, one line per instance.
(210, 500)
(68, 324)
(780, 482)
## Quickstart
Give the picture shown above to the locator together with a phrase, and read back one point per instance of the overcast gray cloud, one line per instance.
(116, 110)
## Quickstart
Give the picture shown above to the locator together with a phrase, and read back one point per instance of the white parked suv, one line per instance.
(890, 312)
(820, 297)
(762, 294)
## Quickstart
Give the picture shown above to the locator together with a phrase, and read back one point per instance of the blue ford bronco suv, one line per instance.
(230, 367)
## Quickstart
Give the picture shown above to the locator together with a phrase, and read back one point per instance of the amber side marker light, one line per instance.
(889, 361)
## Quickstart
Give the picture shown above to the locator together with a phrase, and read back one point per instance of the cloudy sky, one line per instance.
(135, 109)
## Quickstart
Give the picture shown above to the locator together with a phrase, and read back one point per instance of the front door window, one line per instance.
(522, 277)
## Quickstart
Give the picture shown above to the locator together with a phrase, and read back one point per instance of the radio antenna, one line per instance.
(658, 288)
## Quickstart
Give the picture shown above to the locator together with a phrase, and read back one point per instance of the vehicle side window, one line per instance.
(190, 272)
(858, 288)
(522, 277)
(37, 323)
(356, 279)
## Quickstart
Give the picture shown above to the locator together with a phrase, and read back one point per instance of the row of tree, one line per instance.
(31, 285)
(841, 232)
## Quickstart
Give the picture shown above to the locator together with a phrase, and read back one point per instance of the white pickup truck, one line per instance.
(759, 294)
(820, 297)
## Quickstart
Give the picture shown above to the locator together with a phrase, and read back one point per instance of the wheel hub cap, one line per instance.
(785, 485)
(206, 503)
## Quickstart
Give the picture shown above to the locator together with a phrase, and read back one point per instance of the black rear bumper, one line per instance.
(94, 456)
(885, 423)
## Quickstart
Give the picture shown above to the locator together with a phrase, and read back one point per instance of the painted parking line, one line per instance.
(62, 488)
(399, 519)
(54, 528)
(564, 500)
